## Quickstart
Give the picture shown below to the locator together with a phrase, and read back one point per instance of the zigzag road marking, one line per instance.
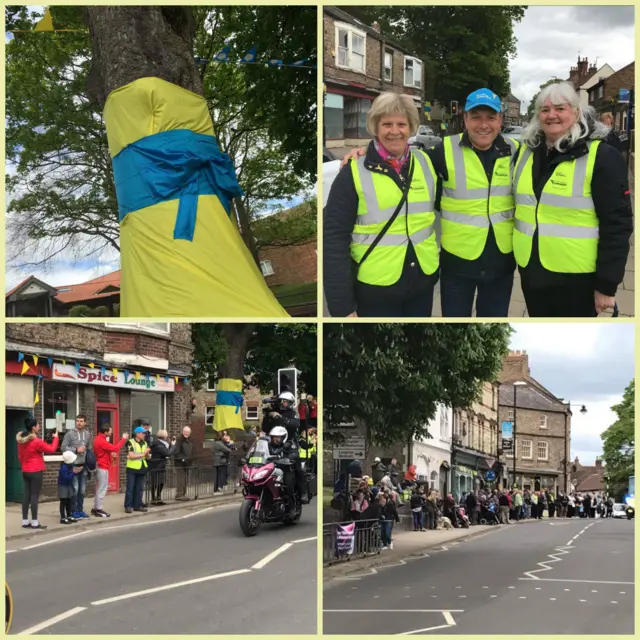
(544, 565)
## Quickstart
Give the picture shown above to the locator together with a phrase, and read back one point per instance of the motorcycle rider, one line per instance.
(285, 416)
(281, 447)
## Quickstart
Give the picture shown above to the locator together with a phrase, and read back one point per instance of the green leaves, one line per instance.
(619, 442)
(392, 376)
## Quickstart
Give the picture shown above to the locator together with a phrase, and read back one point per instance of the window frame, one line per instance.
(206, 415)
(246, 413)
(266, 262)
(214, 384)
(351, 30)
(544, 442)
(387, 52)
(522, 449)
(544, 424)
(140, 327)
(404, 72)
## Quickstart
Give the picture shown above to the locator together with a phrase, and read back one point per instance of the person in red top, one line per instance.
(105, 453)
(31, 450)
(312, 417)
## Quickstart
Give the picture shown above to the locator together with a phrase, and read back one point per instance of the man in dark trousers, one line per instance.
(470, 503)
(183, 459)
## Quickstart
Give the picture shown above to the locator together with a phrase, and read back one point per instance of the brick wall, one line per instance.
(623, 79)
(76, 337)
(292, 265)
(515, 366)
(181, 345)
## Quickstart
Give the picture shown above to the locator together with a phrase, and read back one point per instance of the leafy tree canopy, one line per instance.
(619, 442)
(393, 376)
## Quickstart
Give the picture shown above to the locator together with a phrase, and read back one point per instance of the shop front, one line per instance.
(535, 479)
(473, 471)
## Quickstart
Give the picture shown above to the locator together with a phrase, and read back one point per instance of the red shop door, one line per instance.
(108, 414)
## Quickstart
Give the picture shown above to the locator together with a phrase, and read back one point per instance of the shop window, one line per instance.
(252, 413)
(334, 116)
(148, 405)
(59, 405)
(209, 416)
(355, 117)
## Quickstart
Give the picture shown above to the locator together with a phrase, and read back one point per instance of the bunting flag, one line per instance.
(250, 56)
(126, 373)
(103, 371)
(35, 360)
(77, 367)
(25, 368)
(186, 380)
(91, 365)
(275, 63)
(137, 375)
(166, 378)
(176, 379)
(115, 372)
(45, 25)
(20, 357)
(37, 398)
(158, 377)
(148, 376)
(64, 362)
(223, 55)
(50, 361)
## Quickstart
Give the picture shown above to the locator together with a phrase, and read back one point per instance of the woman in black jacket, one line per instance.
(222, 448)
(571, 261)
(161, 449)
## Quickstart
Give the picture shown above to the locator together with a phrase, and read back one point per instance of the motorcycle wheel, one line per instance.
(291, 521)
(248, 524)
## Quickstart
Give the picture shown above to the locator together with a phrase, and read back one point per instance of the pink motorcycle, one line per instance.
(264, 497)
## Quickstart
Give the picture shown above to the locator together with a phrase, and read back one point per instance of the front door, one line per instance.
(108, 414)
(15, 424)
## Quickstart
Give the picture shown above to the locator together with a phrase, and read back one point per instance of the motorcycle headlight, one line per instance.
(245, 474)
(261, 474)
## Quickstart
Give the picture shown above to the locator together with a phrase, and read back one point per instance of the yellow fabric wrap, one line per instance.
(212, 275)
(228, 415)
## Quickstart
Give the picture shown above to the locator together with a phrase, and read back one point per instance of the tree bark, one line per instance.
(237, 336)
(245, 229)
(130, 43)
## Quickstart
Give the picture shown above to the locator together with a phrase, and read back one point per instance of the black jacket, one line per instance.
(221, 452)
(613, 140)
(610, 192)
(339, 218)
(287, 419)
(470, 502)
(184, 454)
(389, 512)
(159, 454)
(491, 262)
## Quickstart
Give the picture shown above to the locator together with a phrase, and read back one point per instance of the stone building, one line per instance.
(512, 110)
(603, 95)
(475, 443)
(113, 373)
(588, 478)
(603, 72)
(360, 63)
(541, 428)
(579, 74)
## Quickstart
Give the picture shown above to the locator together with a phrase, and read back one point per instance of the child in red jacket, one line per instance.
(31, 450)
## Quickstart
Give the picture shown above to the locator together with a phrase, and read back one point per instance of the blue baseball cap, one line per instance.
(483, 98)
(139, 430)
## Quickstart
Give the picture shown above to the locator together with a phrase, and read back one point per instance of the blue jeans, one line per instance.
(457, 293)
(417, 520)
(79, 488)
(386, 527)
(135, 487)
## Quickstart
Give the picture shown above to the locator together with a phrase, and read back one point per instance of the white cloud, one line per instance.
(551, 38)
(586, 363)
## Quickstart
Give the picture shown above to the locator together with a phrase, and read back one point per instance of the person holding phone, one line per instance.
(77, 441)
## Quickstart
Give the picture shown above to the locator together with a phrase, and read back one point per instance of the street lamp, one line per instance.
(568, 412)
(516, 384)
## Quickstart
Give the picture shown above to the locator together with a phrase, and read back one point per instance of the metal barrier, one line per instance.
(175, 483)
(366, 541)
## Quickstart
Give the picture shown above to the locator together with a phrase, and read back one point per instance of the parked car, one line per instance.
(425, 138)
(330, 170)
(619, 510)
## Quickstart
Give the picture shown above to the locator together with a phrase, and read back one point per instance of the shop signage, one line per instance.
(490, 475)
(507, 436)
(86, 375)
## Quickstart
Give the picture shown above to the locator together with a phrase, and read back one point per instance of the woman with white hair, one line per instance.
(573, 216)
(380, 252)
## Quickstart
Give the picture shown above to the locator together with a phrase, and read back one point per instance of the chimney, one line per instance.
(376, 27)
(515, 366)
(598, 462)
(583, 65)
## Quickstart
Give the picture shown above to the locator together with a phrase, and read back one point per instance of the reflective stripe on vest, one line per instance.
(378, 197)
(467, 209)
(138, 447)
(565, 216)
(307, 453)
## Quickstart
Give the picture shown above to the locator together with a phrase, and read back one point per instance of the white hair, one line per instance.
(587, 126)
(388, 103)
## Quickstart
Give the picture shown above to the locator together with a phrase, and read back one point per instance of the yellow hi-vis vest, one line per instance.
(138, 447)
(307, 453)
(378, 197)
(565, 217)
(470, 205)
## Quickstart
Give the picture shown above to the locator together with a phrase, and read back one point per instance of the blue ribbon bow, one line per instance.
(229, 399)
(170, 165)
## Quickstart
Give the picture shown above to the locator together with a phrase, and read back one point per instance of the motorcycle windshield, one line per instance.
(259, 452)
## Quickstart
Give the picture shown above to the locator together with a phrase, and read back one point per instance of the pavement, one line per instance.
(188, 572)
(547, 577)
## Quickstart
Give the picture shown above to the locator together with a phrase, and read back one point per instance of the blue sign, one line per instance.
(507, 429)
(624, 95)
(490, 475)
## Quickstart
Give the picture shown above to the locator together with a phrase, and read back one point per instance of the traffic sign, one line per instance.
(348, 454)
(351, 447)
(623, 95)
(490, 475)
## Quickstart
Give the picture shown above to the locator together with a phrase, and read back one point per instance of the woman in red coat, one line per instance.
(31, 450)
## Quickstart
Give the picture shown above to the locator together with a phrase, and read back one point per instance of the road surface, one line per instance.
(570, 577)
(195, 568)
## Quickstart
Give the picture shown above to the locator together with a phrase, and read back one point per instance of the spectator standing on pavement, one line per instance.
(563, 504)
(78, 440)
(388, 516)
(221, 451)
(137, 465)
(184, 457)
(417, 507)
(103, 450)
(573, 210)
(542, 504)
(161, 451)
(571, 506)
(612, 137)
(312, 413)
(551, 502)
(396, 276)
(593, 504)
(378, 470)
(31, 450)
(518, 504)
(430, 511)
(65, 486)
(503, 501)
(470, 504)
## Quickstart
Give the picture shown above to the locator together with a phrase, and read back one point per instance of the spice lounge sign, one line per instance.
(107, 378)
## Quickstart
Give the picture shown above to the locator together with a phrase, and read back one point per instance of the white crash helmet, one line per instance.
(288, 396)
(279, 432)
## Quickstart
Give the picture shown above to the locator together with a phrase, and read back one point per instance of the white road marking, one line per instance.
(538, 588)
(545, 565)
(42, 544)
(494, 596)
(623, 592)
(582, 581)
(582, 600)
(52, 621)
(511, 587)
(448, 617)
(167, 587)
(551, 598)
(450, 622)
(567, 589)
(523, 597)
(393, 610)
(485, 587)
(304, 540)
(197, 513)
(614, 602)
(463, 596)
(274, 554)
(11, 550)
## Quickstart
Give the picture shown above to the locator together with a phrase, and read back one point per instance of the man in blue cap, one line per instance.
(477, 208)
(137, 456)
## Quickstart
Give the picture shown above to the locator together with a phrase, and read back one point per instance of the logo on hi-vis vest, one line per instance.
(8, 608)
(558, 183)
